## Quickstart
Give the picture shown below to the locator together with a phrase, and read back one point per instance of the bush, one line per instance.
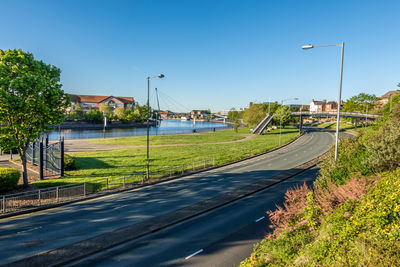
(384, 149)
(69, 163)
(8, 178)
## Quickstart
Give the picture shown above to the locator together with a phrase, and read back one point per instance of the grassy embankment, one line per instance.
(342, 125)
(351, 215)
(122, 162)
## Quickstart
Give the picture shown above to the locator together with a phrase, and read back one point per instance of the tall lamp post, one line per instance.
(147, 124)
(340, 90)
(280, 127)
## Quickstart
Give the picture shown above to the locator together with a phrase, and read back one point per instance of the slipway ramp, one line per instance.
(263, 124)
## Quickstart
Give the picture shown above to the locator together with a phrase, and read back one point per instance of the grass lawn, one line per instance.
(121, 162)
(342, 125)
(200, 138)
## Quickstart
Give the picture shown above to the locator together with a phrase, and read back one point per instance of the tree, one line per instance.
(120, 113)
(233, 115)
(286, 116)
(30, 99)
(236, 125)
(94, 116)
(254, 114)
(106, 109)
(359, 103)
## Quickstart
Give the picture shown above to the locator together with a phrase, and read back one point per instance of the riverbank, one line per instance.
(69, 125)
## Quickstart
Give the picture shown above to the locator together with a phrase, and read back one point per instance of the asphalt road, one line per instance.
(223, 237)
(30, 234)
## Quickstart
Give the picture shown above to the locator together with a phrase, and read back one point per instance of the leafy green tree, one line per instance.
(119, 112)
(94, 116)
(233, 115)
(236, 125)
(254, 114)
(359, 103)
(30, 99)
(286, 116)
(106, 109)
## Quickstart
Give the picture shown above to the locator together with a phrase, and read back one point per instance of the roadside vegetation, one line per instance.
(351, 214)
(343, 125)
(121, 162)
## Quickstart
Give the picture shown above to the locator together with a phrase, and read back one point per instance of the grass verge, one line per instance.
(124, 162)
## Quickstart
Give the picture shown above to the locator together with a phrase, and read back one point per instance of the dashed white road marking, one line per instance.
(29, 230)
(194, 254)
(220, 179)
(119, 207)
(259, 219)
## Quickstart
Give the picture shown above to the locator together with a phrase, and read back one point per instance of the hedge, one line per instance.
(8, 178)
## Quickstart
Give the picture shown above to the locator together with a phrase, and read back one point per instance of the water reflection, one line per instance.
(166, 127)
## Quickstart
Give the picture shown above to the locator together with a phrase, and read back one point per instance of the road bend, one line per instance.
(27, 235)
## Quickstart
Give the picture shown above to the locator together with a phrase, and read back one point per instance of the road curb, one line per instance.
(82, 249)
(140, 186)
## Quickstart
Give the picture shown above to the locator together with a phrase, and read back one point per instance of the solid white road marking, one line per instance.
(29, 230)
(194, 254)
(119, 207)
(259, 219)
(220, 179)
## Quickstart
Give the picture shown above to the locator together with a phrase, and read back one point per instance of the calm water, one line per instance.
(166, 127)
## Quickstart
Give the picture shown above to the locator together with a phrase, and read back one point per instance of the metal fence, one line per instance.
(48, 157)
(59, 194)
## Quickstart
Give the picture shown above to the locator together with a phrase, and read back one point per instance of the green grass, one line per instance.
(121, 162)
(200, 138)
(342, 125)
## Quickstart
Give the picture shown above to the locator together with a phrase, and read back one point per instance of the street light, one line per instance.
(340, 89)
(147, 124)
(280, 127)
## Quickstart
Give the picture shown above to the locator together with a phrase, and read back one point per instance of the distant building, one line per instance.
(166, 114)
(305, 108)
(198, 114)
(316, 106)
(87, 102)
(383, 100)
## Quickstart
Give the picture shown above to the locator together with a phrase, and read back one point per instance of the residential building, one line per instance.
(305, 108)
(198, 114)
(166, 114)
(316, 106)
(383, 100)
(87, 102)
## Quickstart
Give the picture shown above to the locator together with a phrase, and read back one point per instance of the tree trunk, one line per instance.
(25, 170)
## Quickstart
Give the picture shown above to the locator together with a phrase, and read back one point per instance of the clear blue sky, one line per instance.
(214, 54)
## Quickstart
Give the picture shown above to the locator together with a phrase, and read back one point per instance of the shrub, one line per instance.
(384, 149)
(8, 178)
(69, 163)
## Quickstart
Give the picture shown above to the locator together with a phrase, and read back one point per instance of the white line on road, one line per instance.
(259, 219)
(29, 230)
(220, 179)
(194, 254)
(119, 207)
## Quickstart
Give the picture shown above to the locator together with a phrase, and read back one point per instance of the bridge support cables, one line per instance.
(263, 124)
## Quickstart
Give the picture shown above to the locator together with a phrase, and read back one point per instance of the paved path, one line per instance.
(30, 234)
(85, 145)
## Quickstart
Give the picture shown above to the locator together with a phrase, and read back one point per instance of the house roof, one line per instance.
(318, 103)
(331, 102)
(98, 98)
(390, 93)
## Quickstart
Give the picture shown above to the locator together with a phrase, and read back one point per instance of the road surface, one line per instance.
(27, 235)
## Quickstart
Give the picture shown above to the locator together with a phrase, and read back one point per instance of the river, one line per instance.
(165, 127)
